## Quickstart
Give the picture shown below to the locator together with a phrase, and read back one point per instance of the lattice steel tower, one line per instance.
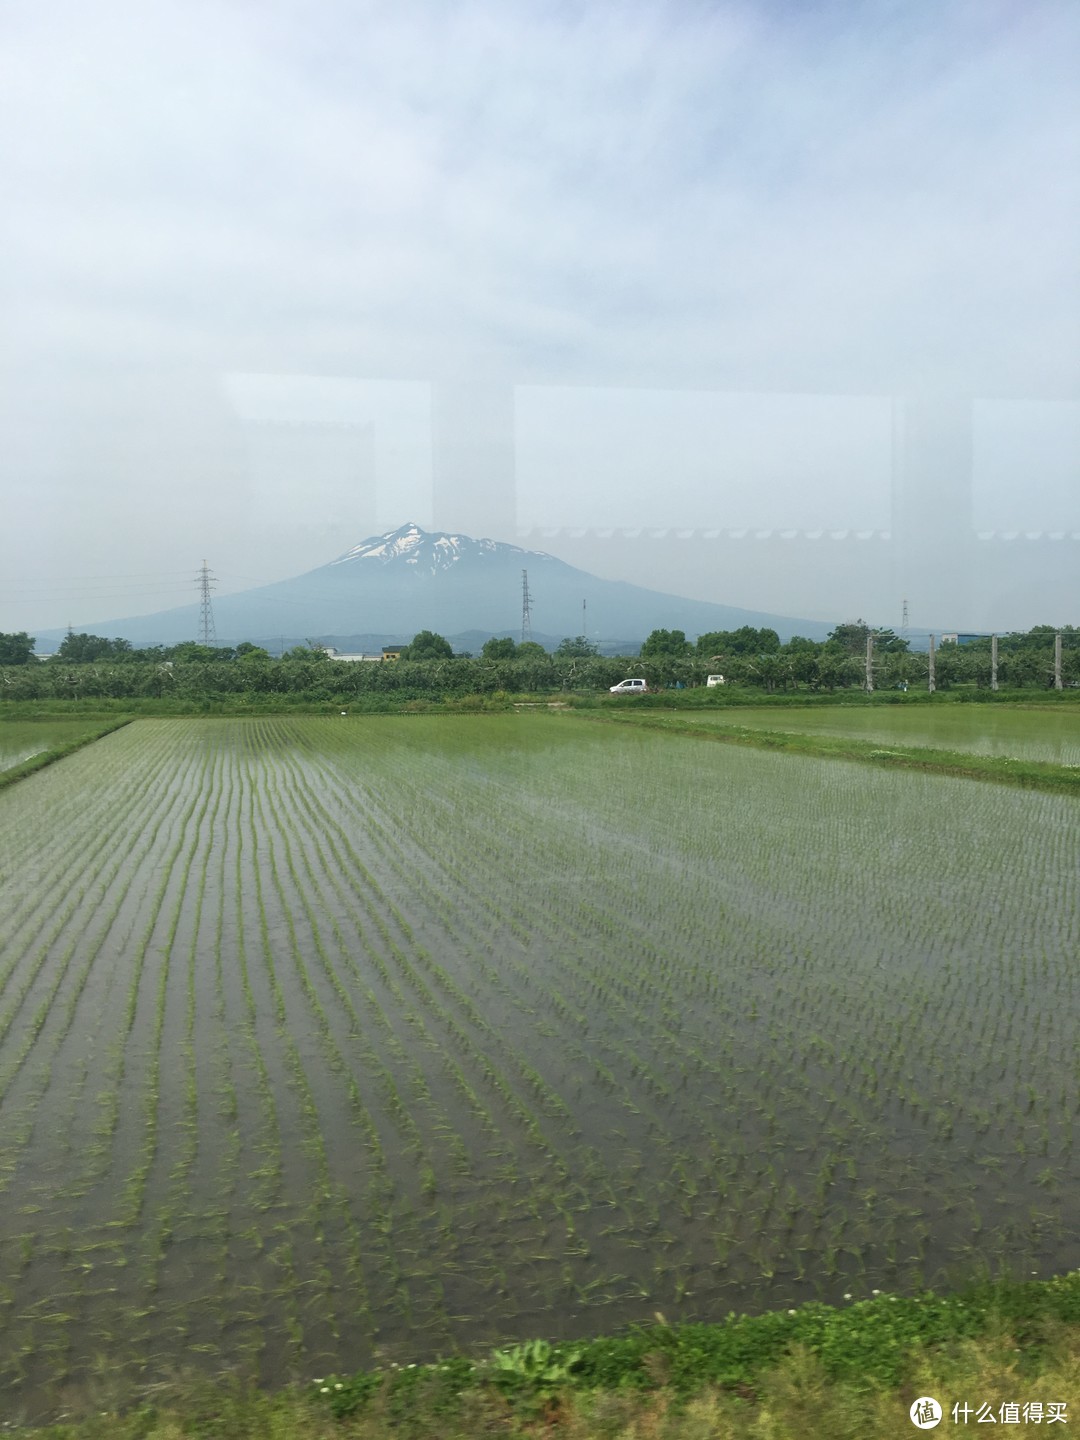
(206, 581)
(526, 608)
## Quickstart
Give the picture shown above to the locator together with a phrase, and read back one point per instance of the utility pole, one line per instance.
(870, 662)
(526, 608)
(206, 582)
(993, 662)
(904, 623)
(584, 626)
(931, 684)
(1057, 661)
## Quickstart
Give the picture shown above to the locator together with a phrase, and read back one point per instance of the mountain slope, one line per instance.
(410, 579)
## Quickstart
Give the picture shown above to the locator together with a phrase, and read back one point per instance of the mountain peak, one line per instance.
(430, 550)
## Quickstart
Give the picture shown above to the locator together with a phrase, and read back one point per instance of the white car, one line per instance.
(629, 687)
(715, 680)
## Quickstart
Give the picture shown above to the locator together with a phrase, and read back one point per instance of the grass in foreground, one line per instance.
(816, 1371)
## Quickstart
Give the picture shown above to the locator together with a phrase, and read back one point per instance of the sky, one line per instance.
(276, 276)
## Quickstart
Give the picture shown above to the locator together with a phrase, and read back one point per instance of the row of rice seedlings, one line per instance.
(180, 873)
(303, 894)
(418, 1269)
(312, 889)
(837, 995)
(241, 1286)
(44, 816)
(491, 1038)
(449, 986)
(131, 1196)
(837, 1244)
(534, 1080)
(112, 863)
(65, 1016)
(322, 1186)
(467, 1043)
(179, 1214)
(20, 1127)
(403, 961)
(88, 881)
(373, 1017)
(62, 861)
(561, 1006)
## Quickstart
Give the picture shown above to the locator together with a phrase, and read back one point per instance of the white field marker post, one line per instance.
(1057, 661)
(869, 664)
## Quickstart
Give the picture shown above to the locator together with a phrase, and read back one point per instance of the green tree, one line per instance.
(886, 642)
(499, 647)
(16, 648)
(574, 648)
(428, 646)
(83, 649)
(530, 650)
(191, 652)
(747, 640)
(849, 638)
(671, 643)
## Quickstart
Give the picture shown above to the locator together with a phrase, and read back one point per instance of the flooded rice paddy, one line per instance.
(331, 1042)
(22, 739)
(1051, 734)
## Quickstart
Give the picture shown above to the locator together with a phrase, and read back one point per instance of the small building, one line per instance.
(392, 652)
(340, 655)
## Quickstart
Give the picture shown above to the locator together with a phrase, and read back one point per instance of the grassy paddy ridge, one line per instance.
(853, 1371)
(329, 1043)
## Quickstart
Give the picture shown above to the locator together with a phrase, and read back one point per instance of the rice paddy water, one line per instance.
(334, 1041)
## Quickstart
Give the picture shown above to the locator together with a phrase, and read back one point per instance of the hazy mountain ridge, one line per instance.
(392, 585)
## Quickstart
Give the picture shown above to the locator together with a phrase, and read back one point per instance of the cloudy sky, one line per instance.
(705, 253)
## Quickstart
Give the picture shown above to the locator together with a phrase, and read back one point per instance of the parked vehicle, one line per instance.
(715, 680)
(629, 687)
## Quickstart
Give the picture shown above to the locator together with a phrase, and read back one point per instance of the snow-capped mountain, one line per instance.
(411, 579)
(426, 550)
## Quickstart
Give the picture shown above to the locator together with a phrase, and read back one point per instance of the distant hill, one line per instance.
(391, 586)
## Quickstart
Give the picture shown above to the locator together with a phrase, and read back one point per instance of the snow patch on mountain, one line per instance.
(426, 549)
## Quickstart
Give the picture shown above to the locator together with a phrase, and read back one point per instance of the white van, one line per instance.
(629, 687)
(715, 680)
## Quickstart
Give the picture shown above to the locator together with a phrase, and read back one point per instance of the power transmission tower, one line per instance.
(206, 581)
(526, 608)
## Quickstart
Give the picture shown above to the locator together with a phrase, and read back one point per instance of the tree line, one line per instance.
(93, 666)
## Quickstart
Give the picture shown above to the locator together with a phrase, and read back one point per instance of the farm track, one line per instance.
(324, 1040)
